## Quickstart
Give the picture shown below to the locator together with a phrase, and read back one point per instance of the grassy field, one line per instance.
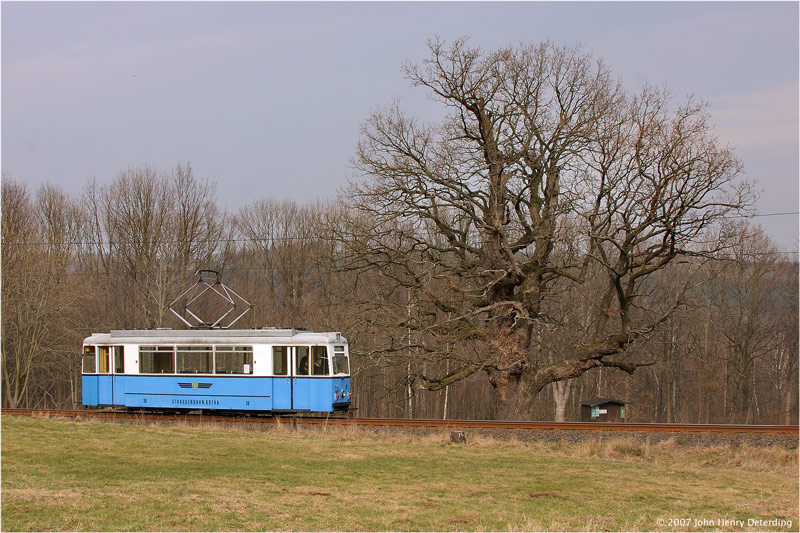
(91, 476)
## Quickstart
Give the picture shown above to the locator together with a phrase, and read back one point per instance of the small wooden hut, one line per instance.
(603, 410)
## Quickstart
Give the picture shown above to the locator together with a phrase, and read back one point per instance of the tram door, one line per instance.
(301, 383)
(89, 379)
(282, 382)
(105, 383)
(118, 385)
(291, 387)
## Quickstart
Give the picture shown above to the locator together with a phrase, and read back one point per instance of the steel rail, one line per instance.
(584, 426)
(422, 423)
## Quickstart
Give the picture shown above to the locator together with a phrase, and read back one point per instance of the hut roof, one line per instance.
(591, 402)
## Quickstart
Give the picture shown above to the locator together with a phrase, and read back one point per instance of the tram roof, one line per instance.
(212, 336)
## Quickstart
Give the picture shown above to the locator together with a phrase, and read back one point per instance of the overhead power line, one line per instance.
(771, 214)
(285, 239)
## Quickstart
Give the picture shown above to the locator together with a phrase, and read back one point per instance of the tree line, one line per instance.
(553, 237)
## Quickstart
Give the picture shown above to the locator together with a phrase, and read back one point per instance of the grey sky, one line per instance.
(266, 99)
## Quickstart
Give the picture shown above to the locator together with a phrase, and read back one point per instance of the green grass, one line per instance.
(89, 476)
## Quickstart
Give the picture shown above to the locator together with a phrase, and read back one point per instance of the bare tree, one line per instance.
(38, 292)
(744, 290)
(283, 252)
(782, 362)
(20, 322)
(543, 171)
(150, 233)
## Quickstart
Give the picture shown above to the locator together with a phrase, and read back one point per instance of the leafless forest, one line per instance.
(551, 238)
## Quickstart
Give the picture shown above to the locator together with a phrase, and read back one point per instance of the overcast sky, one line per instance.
(266, 99)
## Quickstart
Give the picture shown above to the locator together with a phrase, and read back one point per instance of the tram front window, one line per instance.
(88, 360)
(340, 362)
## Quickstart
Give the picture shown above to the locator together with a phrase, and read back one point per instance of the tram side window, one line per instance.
(320, 358)
(119, 356)
(102, 360)
(280, 360)
(301, 355)
(156, 360)
(233, 359)
(88, 360)
(193, 359)
(340, 362)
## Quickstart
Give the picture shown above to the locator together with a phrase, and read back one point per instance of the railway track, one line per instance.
(432, 424)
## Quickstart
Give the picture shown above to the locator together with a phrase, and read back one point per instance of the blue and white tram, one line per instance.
(259, 370)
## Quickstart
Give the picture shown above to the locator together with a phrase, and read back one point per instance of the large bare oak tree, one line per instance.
(544, 178)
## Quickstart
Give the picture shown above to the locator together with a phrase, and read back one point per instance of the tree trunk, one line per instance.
(561, 392)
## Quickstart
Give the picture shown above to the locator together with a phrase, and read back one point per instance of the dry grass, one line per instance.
(745, 457)
(63, 475)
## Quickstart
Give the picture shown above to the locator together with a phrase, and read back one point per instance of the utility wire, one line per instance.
(770, 214)
(286, 239)
(282, 239)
